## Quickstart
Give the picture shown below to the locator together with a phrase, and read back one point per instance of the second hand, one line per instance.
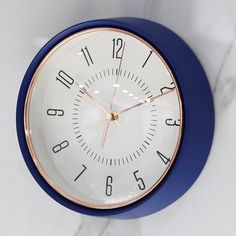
(113, 97)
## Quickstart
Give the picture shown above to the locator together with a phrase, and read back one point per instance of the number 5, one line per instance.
(140, 181)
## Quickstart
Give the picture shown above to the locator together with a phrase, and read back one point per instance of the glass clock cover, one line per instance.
(103, 118)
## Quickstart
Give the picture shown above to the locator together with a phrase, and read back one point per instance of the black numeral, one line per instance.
(87, 56)
(171, 122)
(109, 186)
(164, 89)
(150, 53)
(55, 112)
(60, 146)
(84, 168)
(116, 49)
(140, 181)
(163, 158)
(65, 79)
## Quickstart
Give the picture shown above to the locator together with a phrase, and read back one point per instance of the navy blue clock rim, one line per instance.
(198, 116)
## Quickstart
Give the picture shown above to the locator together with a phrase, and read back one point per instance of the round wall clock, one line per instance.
(115, 117)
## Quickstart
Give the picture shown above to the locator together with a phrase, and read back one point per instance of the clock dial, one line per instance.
(103, 118)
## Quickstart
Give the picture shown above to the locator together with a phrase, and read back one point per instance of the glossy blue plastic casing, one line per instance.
(198, 112)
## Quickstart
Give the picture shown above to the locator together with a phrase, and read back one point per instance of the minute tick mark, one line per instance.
(147, 142)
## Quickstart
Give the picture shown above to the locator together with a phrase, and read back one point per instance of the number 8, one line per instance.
(57, 148)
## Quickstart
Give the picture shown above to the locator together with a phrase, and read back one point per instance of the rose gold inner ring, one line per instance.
(113, 117)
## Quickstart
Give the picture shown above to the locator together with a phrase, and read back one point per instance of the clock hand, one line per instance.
(117, 78)
(105, 133)
(96, 101)
(113, 98)
(93, 98)
(145, 102)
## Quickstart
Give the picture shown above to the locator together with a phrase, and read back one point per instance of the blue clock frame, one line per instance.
(198, 111)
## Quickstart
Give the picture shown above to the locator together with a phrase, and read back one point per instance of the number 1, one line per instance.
(150, 53)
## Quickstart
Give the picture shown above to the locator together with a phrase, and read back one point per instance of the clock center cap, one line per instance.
(113, 116)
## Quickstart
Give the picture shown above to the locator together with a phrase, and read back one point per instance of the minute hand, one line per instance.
(145, 102)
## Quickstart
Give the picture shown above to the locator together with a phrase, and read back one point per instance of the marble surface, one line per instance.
(209, 207)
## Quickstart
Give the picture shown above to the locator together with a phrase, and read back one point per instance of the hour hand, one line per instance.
(98, 103)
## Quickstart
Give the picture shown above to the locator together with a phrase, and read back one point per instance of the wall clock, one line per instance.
(115, 117)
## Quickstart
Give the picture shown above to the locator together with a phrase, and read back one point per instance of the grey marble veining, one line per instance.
(105, 227)
(226, 57)
(226, 79)
(208, 208)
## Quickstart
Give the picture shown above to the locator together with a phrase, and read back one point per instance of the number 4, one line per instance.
(165, 159)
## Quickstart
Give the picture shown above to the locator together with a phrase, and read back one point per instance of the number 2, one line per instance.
(168, 88)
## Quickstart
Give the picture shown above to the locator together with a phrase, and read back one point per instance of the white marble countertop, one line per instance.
(209, 207)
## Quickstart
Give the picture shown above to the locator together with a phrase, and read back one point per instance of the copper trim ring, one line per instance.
(27, 126)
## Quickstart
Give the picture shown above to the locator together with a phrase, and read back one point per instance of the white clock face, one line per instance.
(103, 118)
